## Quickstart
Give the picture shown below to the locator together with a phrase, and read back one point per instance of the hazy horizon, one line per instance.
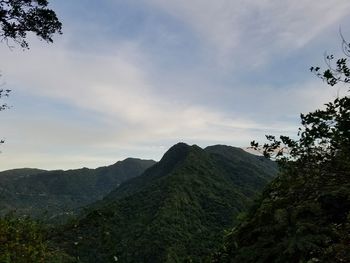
(130, 79)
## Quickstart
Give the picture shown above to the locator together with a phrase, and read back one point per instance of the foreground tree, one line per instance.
(304, 214)
(21, 239)
(25, 241)
(3, 94)
(18, 17)
(325, 134)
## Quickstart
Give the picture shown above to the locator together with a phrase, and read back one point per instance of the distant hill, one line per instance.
(53, 193)
(177, 210)
(14, 174)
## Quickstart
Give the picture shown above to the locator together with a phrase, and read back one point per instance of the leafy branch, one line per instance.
(18, 17)
(324, 134)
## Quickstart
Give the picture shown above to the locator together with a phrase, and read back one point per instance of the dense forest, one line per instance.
(176, 210)
(303, 214)
(56, 195)
(219, 204)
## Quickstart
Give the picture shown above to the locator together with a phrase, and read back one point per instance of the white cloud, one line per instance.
(120, 85)
(255, 29)
(116, 87)
(119, 89)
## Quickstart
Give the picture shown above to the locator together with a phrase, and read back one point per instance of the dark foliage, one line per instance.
(304, 214)
(339, 72)
(4, 93)
(18, 17)
(23, 240)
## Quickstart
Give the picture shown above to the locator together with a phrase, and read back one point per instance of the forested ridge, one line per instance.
(287, 202)
(55, 195)
(176, 211)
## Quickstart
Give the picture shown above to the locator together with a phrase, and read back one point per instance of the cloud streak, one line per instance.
(120, 97)
(255, 29)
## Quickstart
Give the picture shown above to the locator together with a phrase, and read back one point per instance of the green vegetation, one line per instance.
(304, 214)
(176, 211)
(57, 194)
(25, 241)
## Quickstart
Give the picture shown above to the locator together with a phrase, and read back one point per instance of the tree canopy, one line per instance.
(23, 240)
(18, 17)
(304, 214)
(325, 133)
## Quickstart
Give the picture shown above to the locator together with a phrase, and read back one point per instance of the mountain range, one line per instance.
(58, 193)
(175, 211)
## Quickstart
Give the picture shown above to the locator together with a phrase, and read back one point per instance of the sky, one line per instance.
(132, 78)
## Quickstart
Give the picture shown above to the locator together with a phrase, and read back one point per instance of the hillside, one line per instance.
(176, 211)
(304, 214)
(53, 193)
(301, 217)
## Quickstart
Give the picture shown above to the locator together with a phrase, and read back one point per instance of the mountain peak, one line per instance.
(178, 152)
(177, 149)
(189, 195)
(179, 145)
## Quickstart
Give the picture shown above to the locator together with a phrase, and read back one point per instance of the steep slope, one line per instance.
(176, 211)
(303, 216)
(37, 192)
(247, 171)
